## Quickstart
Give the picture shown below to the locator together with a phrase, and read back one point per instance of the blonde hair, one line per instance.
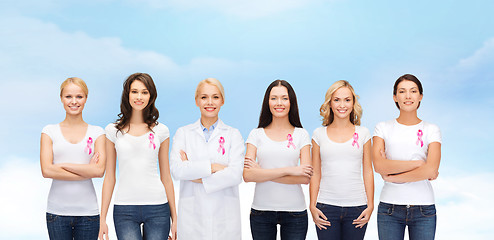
(77, 81)
(214, 82)
(327, 113)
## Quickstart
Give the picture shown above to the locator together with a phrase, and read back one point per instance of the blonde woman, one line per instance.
(207, 157)
(72, 152)
(342, 188)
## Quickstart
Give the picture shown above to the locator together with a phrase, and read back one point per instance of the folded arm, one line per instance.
(429, 170)
(186, 170)
(254, 173)
(96, 167)
(385, 166)
(230, 175)
(50, 170)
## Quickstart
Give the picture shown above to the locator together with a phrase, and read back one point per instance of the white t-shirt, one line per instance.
(139, 181)
(341, 168)
(273, 196)
(407, 143)
(72, 198)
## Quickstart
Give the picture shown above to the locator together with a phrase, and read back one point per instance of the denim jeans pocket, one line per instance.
(51, 217)
(298, 214)
(321, 206)
(385, 209)
(94, 218)
(428, 210)
(254, 212)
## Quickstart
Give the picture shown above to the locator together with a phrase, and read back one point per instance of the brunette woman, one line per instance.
(145, 196)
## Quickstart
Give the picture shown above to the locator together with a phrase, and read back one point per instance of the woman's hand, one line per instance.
(249, 163)
(217, 167)
(363, 218)
(183, 156)
(319, 218)
(94, 159)
(302, 170)
(103, 231)
(173, 232)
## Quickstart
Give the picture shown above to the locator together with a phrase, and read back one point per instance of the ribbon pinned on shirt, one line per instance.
(151, 141)
(88, 146)
(355, 139)
(290, 141)
(221, 148)
(419, 139)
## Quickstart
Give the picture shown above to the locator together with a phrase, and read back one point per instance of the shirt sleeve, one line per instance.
(434, 134)
(47, 130)
(98, 131)
(252, 138)
(315, 136)
(186, 170)
(365, 135)
(163, 132)
(111, 132)
(232, 174)
(304, 138)
(379, 130)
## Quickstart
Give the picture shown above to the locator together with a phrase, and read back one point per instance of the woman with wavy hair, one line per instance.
(72, 153)
(282, 149)
(342, 188)
(144, 196)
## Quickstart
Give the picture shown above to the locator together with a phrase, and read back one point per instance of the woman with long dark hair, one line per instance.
(406, 152)
(282, 149)
(145, 195)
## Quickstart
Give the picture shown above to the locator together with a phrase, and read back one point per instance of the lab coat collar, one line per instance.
(198, 129)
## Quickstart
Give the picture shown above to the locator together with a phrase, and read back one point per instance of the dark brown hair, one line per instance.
(407, 77)
(150, 113)
(266, 116)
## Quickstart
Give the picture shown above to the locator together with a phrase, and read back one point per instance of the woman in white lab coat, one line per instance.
(207, 157)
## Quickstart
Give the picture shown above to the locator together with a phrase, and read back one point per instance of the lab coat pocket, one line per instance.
(228, 219)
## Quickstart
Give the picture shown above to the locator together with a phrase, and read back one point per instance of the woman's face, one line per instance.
(279, 102)
(209, 100)
(342, 103)
(407, 96)
(73, 99)
(138, 96)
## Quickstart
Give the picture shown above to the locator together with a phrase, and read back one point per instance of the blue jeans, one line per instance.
(341, 219)
(72, 227)
(293, 225)
(154, 218)
(392, 220)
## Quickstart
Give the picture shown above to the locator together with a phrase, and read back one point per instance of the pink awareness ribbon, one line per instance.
(355, 138)
(290, 141)
(151, 141)
(419, 139)
(221, 148)
(88, 147)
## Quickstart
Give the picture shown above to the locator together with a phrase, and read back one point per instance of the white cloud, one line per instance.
(243, 8)
(480, 59)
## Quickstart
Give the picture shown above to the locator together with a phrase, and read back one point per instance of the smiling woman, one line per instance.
(207, 157)
(72, 152)
(145, 194)
(407, 152)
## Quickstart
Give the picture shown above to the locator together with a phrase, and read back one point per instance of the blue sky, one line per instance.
(246, 45)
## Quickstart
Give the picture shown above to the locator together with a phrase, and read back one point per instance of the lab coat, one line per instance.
(209, 210)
